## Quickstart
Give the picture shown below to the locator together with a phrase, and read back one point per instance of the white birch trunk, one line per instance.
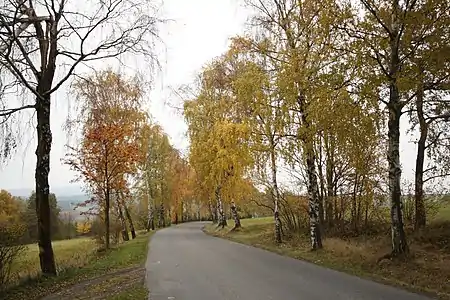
(221, 214)
(237, 220)
(399, 245)
(276, 194)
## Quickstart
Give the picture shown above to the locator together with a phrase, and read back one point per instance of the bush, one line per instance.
(10, 247)
(98, 231)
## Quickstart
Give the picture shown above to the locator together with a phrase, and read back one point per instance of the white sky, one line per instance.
(199, 32)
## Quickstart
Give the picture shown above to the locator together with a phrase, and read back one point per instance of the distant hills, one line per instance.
(60, 191)
(67, 198)
(69, 202)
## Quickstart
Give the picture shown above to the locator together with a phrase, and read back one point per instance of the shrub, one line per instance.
(10, 247)
(98, 231)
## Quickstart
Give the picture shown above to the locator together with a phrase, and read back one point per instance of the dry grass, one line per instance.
(68, 254)
(77, 261)
(426, 270)
(443, 213)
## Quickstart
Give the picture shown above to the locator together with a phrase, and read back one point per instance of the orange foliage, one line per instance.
(110, 148)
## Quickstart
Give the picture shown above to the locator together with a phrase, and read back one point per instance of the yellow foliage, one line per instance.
(84, 227)
(10, 208)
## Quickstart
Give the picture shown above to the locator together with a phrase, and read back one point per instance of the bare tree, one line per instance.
(43, 42)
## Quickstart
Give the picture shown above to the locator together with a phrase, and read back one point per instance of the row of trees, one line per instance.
(110, 120)
(135, 177)
(319, 88)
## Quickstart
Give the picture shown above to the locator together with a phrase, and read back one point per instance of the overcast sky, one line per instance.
(199, 32)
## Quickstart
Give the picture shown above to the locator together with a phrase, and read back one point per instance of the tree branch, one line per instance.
(9, 111)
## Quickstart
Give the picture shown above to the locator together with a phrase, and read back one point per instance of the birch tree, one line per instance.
(111, 118)
(300, 41)
(429, 66)
(389, 34)
(257, 104)
(219, 150)
(43, 43)
(155, 174)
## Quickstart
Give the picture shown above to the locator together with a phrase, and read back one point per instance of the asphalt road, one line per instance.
(186, 264)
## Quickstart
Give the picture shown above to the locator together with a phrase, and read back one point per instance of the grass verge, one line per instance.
(136, 292)
(68, 254)
(131, 254)
(426, 270)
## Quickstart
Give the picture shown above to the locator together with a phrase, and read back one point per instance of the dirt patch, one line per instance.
(102, 287)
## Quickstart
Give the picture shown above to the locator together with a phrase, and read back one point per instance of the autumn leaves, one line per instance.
(122, 158)
(110, 119)
(320, 87)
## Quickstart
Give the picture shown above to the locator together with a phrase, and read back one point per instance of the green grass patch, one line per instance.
(426, 270)
(443, 213)
(68, 254)
(93, 264)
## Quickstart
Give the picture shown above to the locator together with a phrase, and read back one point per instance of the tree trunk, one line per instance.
(222, 219)
(420, 213)
(107, 205)
(130, 220)
(237, 220)
(46, 256)
(276, 193)
(162, 216)
(125, 235)
(314, 221)
(217, 213)
(359, 200)
(152, 222)
(329, 170)
(399, 245)
(169, 215)
(159, 216)
(330, 195)
(147, 226)
(151, 216)
(321, 181)
(211, 211)
(354, 221)
(313, 191)
(149, 203)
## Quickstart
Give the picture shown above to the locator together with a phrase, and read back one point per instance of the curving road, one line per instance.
(186, 264)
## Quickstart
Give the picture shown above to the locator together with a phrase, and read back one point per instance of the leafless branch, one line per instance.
(6, 112)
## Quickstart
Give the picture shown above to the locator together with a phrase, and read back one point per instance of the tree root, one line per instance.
(391, 256)
(387, 256)
(236, 228)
